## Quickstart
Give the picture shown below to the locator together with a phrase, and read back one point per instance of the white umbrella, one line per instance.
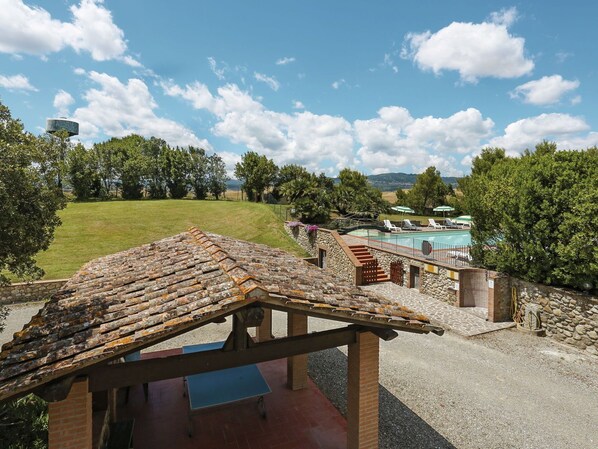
(463, 219)
(443, 209)
(403, 209)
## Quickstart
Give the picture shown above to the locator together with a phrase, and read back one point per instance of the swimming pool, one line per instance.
(457, 238)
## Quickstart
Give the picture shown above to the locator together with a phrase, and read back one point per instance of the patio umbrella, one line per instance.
(443, 209)
(463, 219)
(403, 209)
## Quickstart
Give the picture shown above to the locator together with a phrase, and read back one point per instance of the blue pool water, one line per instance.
(414, 239)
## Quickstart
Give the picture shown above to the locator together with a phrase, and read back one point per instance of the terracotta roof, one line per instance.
(119, 303)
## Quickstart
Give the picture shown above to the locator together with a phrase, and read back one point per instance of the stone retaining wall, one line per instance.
(29, 291)
(339, 258)
(567, 316)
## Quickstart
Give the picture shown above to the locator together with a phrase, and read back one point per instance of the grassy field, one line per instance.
(91, 230)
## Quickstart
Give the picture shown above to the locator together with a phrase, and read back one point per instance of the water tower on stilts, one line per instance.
(54, 126)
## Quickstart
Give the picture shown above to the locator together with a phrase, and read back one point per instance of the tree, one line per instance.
(29, 199)
(217, 176)
(24, 423)
(536, 216)
(428, 191)
(176, 164)
(198, 172)
(153, 150)
(82, 173)
(355, 194)
(257, 173)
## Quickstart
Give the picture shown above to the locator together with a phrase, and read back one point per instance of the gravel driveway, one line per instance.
(499, 390)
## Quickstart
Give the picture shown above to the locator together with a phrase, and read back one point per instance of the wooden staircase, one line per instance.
(371, 270)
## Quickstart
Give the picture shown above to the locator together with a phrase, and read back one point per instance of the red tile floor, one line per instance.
(302, 419)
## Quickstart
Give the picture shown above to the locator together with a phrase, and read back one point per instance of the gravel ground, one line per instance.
(496, 391)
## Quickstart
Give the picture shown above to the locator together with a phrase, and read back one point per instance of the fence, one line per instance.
(456, 255)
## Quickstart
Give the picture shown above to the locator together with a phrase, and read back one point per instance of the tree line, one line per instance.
(134, 167)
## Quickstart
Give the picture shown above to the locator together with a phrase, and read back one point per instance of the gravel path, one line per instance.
(502, 390)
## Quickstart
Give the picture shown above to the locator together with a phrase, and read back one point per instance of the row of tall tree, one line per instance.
(134, 167)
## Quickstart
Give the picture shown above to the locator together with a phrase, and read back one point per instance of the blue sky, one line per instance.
(377, 86)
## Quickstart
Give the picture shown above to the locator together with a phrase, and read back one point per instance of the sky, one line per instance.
(379, 87)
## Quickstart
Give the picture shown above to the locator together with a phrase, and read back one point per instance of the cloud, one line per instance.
(397, 141)
(338, 83)
(298, 105)
(545, 91)
(506, 17)
(561, 128)
(79, 71)
(32, 30)
(62, 101)
(270, 81)
(312, 140)
(117, 109)
(284, 61)
(475, 50)
(215, 70)
(16, 82)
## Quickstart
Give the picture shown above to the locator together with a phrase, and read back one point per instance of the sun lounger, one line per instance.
(460, 255)
(451, 224)
(389, 226)
(407, 225)
(432, 223)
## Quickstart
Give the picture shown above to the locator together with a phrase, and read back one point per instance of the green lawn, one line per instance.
(91, 230)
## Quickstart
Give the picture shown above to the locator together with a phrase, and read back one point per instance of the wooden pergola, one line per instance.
(132, 300)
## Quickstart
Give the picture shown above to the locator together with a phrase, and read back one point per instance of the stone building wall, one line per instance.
(33, 291)
(339, 258)
(567, 316)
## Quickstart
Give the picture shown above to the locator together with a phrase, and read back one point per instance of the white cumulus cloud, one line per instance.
(117, 109)
(545, 91)
(396, 141)
(16, 82)
(561, 128)
(298, 105)
(286, 60)
(312, 140)
(269, 80)
(32, 30)
(475, 50)
(62, 101)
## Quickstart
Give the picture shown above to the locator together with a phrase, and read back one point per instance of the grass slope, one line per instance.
(91, 230)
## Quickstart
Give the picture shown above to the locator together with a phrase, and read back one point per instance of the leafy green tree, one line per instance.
(82, 173)
(176, 164)
(355, 194)
(428, 191)
(217, 176)
(198, 172)
(257, 173)
(153, 150)
(402, 197)
(29, 199)
(104, 156)
(24, 424)
(314, 204)
(536, 216)
(287, 174)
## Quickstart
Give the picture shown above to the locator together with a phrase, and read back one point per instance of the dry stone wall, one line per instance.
(567, 316)
(337, 259)
(29, 291)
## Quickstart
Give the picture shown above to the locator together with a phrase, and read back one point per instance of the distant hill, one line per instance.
(386, 182)
(389, 182)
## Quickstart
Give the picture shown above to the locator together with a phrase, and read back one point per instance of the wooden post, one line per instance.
(362, 397)
(296, 365)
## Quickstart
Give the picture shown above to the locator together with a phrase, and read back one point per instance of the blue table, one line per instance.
(224, 386)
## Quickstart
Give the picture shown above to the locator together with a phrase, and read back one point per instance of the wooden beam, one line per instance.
(151, 370)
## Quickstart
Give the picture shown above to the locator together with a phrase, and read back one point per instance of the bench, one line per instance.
(121, 435)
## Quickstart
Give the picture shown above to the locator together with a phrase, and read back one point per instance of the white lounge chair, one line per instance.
(408, 225)
(392, 228)
(460, 255)
(451, 224)
(432, 223)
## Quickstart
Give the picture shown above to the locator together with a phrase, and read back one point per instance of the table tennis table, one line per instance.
(225, 386)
